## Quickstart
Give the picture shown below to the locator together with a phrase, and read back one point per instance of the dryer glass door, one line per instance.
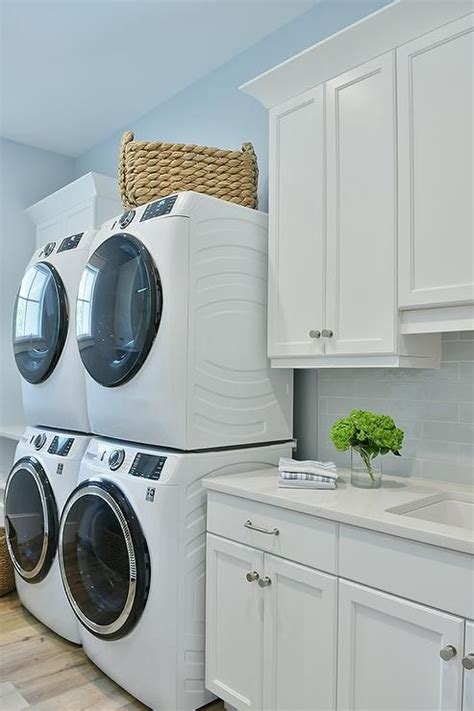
(40, 321)
(31, 520)
(104, 559)
(118, 309)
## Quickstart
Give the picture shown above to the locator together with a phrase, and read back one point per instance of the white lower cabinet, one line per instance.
(234, 624)
(271, 630)
(389, 654)
(283, 636)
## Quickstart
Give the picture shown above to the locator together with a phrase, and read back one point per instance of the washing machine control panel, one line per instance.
(159, 208)
(147, 466)
(70, 242)
(61, 446)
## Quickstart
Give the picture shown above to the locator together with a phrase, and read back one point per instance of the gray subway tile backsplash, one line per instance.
(434, 407)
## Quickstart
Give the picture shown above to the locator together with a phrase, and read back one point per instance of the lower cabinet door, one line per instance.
(468, 671)
(234, 623)
(389, 654)
(300, 606)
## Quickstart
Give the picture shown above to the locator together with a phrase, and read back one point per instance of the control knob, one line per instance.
(126, 218)
(48, 249)
(39, 441)
(116, 459)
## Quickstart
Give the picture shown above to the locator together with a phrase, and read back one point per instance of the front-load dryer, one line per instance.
(44, 474)
(171, 327)
(44, 335)
(132, 554)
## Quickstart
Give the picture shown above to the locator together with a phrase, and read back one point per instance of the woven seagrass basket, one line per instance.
(7, 579)
(149, 170)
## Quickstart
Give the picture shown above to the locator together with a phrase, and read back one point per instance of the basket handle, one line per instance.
(126, 138)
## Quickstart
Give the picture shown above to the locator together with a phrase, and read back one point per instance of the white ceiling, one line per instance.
(74, 71)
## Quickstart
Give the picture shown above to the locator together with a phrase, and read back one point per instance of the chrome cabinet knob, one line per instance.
(448, 653)
(468, 662)
(265, 582)
(315, 334)
(252, 577)
(327, 333)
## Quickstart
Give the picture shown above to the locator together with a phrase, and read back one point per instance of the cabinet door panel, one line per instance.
(389, 654)
(435, 99)
(469, 674)
(296, 225)
(80, 218)
(361, 200)
(49, 231)
(300, 637)
(234, 623)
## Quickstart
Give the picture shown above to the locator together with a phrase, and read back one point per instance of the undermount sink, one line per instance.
(446, 509)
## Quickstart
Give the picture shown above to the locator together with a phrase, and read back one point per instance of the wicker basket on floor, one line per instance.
(149, 170)
(7, 579)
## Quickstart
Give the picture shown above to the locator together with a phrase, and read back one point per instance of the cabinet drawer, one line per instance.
(429, 575)
(301, 538)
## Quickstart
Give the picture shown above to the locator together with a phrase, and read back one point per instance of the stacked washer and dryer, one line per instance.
(167, 336)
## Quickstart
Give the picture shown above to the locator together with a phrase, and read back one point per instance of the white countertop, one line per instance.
(357, 507)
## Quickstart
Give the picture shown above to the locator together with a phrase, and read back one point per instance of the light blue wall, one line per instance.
(26, 175)
(213, 111)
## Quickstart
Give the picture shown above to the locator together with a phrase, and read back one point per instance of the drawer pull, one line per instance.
(253, 527)
(252, 577)
(265, 582)
(448, 653)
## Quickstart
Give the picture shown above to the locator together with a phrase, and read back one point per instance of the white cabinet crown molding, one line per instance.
(87, 187)
(380, 32)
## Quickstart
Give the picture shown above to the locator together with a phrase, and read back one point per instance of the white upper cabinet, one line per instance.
(297, 225)
(82, 205)
(361, 210)
(435, 157)
(371, 159)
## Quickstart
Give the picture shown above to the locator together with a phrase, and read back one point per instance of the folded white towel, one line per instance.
(327, 469)
(299, 484)
(301, 476)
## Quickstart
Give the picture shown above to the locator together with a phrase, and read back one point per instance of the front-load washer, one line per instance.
(171, 326)
(44, 335)
(132, 555)
(44, 474)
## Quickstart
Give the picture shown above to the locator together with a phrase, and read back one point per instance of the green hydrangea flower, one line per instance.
(369, 433)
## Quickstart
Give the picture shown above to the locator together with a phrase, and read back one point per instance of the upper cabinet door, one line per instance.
(296, 226)
(435, 99)
(361, 203)
(389, 654)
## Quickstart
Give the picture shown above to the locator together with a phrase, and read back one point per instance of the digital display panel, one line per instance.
(147, 466)
(61, 445)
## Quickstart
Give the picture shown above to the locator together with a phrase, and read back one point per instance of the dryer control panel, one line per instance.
(70, 242)
(147, 466)
(60, 445)
(159, 208)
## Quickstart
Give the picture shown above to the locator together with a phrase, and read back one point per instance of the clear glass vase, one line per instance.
(366, 473)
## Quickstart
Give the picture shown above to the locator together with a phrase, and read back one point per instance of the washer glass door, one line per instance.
(104, 559)
(31, 520)
(40, 322)
(118, 309)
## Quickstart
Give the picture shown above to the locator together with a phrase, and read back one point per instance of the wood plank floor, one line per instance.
(39, 670)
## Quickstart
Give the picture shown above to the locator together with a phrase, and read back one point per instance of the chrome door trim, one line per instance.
(95, 490)
(31, 469)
